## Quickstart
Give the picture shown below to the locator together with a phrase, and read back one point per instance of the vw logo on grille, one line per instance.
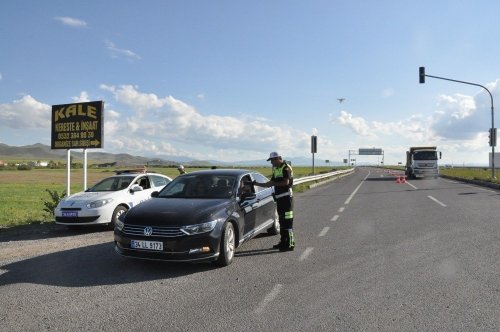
(148, 231)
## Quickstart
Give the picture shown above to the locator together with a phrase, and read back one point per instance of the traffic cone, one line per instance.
(398, 180)
(403, 179)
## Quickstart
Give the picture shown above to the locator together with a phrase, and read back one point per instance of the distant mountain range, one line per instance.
(41, 152)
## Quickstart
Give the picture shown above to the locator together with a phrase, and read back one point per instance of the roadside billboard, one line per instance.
(78, 125)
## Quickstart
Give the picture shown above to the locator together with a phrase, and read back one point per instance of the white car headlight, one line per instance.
(99, 203)
(199, 228)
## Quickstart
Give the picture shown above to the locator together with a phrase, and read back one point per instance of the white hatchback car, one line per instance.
(109, 198)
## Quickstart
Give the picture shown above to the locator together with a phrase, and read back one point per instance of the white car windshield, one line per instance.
(113, 183)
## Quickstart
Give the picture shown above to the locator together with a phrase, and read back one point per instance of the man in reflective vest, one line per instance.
(282, 181)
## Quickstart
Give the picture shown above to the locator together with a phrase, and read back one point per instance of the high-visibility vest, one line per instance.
(278, 176)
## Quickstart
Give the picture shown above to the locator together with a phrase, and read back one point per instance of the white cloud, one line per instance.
(72, 22)
(25, 113)
(1, 77)
(458, 119)
(116, 52)
(82, 98)
(357, 124)
(462, 117)
(140, 102)
(181, 128)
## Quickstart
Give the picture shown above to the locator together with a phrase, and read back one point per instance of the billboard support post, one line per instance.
(84, 169)
(68, 174)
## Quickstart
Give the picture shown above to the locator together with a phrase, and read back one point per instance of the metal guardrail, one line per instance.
(321, 176)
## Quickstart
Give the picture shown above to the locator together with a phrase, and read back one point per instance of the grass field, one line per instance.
(23, 193)
(483, 174)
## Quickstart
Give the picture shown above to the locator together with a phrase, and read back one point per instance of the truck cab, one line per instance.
(422, 162)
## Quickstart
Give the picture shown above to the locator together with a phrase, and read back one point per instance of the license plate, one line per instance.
(146, 245)
(70, 214)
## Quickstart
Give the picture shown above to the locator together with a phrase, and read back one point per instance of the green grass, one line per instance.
(482, 174)
(23, 193)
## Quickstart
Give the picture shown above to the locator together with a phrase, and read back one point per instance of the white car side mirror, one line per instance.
(136, 187)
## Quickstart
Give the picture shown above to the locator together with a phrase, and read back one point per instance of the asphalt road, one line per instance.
(371, 255)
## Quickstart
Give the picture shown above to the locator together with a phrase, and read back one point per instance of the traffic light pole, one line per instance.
(422, 76)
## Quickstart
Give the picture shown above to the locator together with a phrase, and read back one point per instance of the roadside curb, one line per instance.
(476, 182)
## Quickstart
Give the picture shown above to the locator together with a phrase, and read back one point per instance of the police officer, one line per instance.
(282, 181)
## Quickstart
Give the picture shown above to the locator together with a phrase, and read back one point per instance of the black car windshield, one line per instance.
(200, 186)
(113, 183)
(425, 155)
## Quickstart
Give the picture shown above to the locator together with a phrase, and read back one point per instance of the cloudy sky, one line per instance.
(234, 80)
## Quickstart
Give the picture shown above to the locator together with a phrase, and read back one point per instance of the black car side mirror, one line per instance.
(155, 194)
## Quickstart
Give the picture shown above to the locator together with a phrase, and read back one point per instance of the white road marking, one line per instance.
(269, 297)
(306, 253)
(342, 209)
(411, 185)
(335, 217)
(324, 231)
(356, 190)
(435, 200)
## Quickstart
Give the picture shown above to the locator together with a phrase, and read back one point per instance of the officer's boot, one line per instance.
(281, 244)
(289, 243)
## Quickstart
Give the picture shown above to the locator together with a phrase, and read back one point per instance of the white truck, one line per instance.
(421, 162)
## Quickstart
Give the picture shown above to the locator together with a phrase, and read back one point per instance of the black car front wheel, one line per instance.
(227, 245)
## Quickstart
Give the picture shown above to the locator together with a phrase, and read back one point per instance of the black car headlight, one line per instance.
(199, 228)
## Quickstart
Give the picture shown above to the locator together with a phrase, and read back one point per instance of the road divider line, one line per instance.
(408, 183)
(356, 190)
(335, 217)
(306, 253)
(435, 200)
(342, 209)
(322, 233)
(269, 297)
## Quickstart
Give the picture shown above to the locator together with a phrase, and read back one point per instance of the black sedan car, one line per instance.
(199, 216)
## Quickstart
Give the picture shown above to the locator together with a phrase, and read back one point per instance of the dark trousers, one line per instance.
(285, 213)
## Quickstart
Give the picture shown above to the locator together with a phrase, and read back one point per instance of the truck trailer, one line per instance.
(422, 162)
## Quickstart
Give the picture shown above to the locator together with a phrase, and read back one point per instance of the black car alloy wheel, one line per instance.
(227, 245)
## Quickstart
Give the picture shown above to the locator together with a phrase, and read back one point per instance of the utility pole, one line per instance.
(422, 75)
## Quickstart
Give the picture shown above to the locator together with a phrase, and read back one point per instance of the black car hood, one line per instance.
(177, 211)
